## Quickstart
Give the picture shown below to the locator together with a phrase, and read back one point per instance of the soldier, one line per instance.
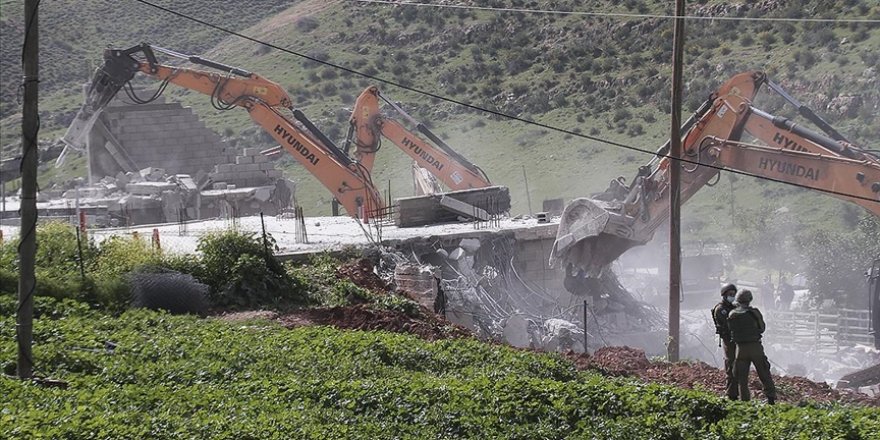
(785, 295)
(766, 292)
(746, 326)
(719, 315)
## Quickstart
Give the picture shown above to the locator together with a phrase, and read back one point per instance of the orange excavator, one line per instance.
(593, 232)
(369, 126)
(231, 87)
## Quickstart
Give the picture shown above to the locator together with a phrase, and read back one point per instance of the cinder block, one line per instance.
(266, 166)
(260, 159)
(274, 174)
(224, 168)
(245, 159)
(251, 151)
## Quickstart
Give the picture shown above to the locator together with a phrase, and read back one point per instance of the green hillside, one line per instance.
(603, 76)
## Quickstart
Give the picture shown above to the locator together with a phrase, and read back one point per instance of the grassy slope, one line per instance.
(574, 72)
(170, 377)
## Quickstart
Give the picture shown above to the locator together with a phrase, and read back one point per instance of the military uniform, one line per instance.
(719, 315)
(746, 326)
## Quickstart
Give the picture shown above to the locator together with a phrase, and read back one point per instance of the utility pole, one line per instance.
(28, 246)
(675, 185)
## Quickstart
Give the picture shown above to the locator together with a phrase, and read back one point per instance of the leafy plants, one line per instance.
(153, 375)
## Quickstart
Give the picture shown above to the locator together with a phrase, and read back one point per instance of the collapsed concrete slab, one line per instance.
(479, 203)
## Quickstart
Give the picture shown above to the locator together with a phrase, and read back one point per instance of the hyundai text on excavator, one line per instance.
(369, 125)
(230, 87)
(594, 232)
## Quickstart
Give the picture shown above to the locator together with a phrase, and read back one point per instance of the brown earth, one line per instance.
(632, 362)
(360, 272)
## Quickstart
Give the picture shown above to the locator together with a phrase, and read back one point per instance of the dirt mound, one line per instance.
(360, 272)
(632, 362)
(619, 361)
(364, 317)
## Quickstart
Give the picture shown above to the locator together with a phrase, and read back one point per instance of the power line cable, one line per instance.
(621, 14)
(492, 112)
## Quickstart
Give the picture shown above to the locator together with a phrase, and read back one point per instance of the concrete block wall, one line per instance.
(418, 284)
(247, 170)
(532, 263)
(158, 134)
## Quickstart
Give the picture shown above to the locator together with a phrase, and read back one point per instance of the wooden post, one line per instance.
(28, 232)
(156, 244)
(586, 350)
(675, 186)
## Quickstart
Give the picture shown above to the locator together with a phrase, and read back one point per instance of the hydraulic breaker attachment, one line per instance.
(117, 70)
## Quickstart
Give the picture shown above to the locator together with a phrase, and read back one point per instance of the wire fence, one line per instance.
(825, 331)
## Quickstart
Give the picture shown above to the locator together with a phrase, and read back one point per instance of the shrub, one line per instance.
(242, 271)
(622, 115)
(635, 130)
(307, 23)
(321, 284)
(805, 58)
(57, 262)
(119, 255)
(329, 73)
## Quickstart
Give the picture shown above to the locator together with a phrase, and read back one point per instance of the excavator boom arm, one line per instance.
(840, 176)
(451, 172)
(594, 232)
(368, 125)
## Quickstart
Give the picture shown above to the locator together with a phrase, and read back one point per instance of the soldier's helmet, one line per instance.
(744, 297)
(728, 288)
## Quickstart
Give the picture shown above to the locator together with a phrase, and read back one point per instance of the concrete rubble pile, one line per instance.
(475, 283)
(152, 196)
(823, 366)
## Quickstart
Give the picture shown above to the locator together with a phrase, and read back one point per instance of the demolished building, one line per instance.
(159, 163)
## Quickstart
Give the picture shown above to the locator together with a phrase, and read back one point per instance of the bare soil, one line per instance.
(632, 362)
(360, 272)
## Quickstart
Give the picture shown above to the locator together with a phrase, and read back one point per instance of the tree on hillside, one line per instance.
(836, 263)
(765, 236)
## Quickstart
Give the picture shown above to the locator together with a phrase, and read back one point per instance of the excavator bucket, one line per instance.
(106, 82)
(590, 236)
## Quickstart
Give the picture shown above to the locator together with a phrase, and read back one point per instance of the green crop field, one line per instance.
(151, 375)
